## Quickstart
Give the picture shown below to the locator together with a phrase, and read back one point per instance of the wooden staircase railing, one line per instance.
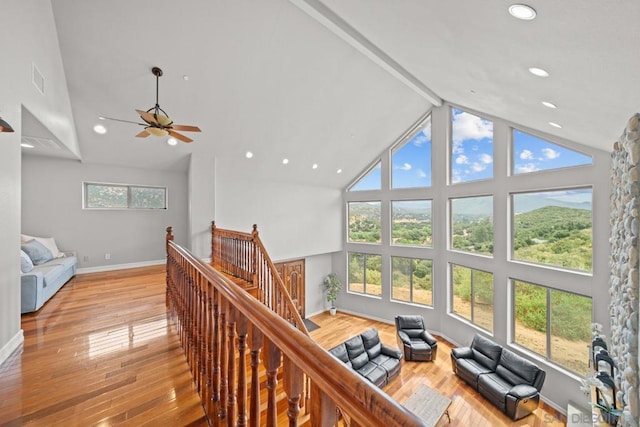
(218, 322)
(244, 257)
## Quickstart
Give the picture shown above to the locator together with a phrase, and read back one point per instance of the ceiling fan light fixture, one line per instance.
(157, 131)
(4, 126)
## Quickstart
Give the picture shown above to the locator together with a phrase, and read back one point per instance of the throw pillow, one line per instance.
(38, 252)
(48, 242)
(26, 265)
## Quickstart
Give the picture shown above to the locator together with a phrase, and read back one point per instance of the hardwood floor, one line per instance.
(100, 353)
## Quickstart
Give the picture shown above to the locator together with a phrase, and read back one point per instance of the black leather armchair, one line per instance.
(507, 380)
(416, 343)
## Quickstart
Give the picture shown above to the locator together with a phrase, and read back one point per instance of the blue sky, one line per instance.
(471, 147)
(412, 161)
(532, 154)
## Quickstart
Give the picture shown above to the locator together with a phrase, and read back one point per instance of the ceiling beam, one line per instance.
(346, 32)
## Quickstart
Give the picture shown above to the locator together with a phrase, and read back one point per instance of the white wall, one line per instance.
(28, 29)
(294, 221)
(202, 178)
(52, 207)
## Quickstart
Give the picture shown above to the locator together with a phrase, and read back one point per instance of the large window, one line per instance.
(364, 222)
(554, 228)
(472, 224)
(411, 222)
(121, 196)
(412, 280)
(531, 154)
(553, 323)
(471, 147)
(365, 274)
(411, 161)
(473, 295)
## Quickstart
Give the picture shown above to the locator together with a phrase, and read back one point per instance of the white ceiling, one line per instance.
(272, 77)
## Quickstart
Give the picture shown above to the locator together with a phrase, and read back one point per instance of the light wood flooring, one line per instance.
(100, 353)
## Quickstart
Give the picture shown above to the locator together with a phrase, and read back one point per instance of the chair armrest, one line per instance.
(404, 337)
(391, 352)
(462, 353)
(426, 336)
(523, 391)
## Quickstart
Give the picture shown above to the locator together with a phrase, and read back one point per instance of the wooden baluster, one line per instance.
(323, 409)
(271, 363)
(256, 346)
(241, 328)
(208, 335)
(223, 360)
(293, 384)
(231, 365)
(214, 255)
(215, 396)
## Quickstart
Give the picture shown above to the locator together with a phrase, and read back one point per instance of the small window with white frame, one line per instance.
(123, 196)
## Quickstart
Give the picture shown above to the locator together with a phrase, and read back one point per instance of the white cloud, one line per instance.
(421, 173)
(478, 167)
(420, 139)
(550, 153)
(467, 126)
(525, 168)
(526, 155)
(405, 167)
(462, 160)
(485, 158)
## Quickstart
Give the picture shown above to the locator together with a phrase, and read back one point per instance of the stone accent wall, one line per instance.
(624, 290)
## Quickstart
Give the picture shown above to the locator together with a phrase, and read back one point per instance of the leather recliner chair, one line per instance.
(416, 343)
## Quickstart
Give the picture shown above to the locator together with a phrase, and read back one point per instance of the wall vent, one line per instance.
(38, 78)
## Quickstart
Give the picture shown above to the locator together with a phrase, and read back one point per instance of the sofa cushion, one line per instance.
(357, 354)
(469, 370)
(373, 373)
(486, 352)
(516, 369)
(389, 364)
(38, 252)
(494, 388)
(371, 342)
(340, 352)
(26, 265)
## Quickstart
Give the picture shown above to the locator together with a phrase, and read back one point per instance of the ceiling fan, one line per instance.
(157, 121)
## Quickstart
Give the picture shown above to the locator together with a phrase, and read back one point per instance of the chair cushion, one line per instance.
(412, 325)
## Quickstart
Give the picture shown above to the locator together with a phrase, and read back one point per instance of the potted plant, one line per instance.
(332, 286)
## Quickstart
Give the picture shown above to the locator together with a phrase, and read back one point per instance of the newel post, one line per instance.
(213, 245)
(169, 237)
(254, 254)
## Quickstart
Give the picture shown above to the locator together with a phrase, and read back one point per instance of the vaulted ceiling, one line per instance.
(335, 82)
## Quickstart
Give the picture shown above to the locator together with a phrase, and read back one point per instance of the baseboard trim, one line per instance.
(102, 268)
(10, 347)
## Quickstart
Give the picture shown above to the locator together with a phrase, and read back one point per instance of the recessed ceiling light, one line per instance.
(549, 104)
(248, 154)
(555, 125)
(339, 171)
(522, 11)
(315, 166)
(285, 161)
(102, 118)
(172, 141)
(185, 78)
(100, 129)
(539, 72)
(25, 145)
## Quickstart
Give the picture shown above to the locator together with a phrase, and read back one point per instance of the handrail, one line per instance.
(217, 320)
(249, 261)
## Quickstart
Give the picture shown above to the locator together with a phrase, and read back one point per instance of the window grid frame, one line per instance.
(128, 187)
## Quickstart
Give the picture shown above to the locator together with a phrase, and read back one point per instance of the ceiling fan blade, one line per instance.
(186, 128)
(143, 134)
(148, 117)
(120, 120)
(182, 138)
